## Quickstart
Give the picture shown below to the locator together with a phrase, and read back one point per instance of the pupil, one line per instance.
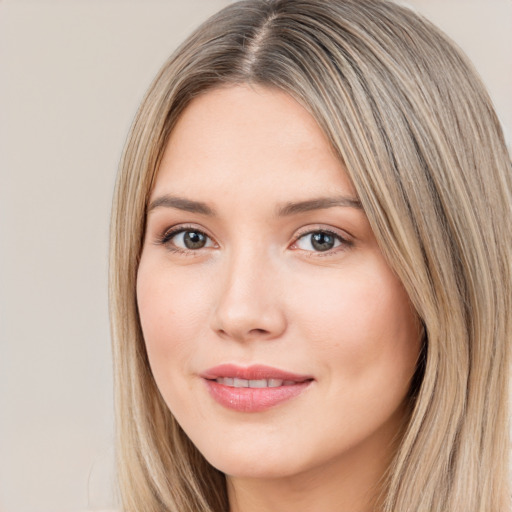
(194, 240)
(322, 241)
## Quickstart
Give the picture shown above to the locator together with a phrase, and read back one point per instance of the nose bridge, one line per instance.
(248, 302)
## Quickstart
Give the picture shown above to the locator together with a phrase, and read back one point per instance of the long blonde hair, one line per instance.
(412, 123)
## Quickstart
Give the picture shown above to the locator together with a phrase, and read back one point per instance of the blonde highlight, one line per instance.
(414, 126)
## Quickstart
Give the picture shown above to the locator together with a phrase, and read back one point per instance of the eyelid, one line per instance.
(345, 238)
(315, 228)
(170, 232)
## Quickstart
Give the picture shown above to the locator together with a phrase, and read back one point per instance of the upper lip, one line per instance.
(253, 372)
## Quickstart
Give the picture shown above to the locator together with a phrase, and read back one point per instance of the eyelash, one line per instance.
(168, 235)
(345, 243)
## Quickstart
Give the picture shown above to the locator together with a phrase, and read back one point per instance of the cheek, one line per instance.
(361, 323)
(172, 315)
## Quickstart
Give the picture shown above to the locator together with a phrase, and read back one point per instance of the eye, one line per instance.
(186, 239)
(320, 241)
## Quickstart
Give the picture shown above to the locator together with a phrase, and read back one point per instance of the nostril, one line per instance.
(258, 331)
(249, 320)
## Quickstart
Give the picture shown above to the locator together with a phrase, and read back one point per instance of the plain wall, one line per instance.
(72, 73)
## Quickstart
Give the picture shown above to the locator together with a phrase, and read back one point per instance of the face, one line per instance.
(277, 334)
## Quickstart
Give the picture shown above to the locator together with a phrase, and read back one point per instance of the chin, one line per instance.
(253, 469)
(257, 461)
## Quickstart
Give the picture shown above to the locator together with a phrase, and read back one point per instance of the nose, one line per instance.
(249, 305)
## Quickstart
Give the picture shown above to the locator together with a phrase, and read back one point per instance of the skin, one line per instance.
(259, 292)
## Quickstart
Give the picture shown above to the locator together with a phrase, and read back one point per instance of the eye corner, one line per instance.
(168, 238)
(339, 242)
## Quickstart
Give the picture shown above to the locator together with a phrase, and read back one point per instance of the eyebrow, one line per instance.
(287, 209)
(181, 203)
(320, 203)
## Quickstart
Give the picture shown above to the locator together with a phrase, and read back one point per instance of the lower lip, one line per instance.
(253, 399)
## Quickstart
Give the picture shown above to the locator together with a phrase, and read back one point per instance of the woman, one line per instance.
(310, 270)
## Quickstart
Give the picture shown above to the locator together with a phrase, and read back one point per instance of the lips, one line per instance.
(255, 388)
(254, 383)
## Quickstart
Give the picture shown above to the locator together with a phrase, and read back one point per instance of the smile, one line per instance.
(259, 383)
(253, 389)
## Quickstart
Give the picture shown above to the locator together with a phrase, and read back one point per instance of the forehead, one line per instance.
(248, 140)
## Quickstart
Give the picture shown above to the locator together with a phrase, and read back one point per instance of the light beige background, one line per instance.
(71, 75)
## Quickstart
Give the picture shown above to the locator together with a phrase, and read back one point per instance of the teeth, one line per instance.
(240, 383)
(259, 383)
